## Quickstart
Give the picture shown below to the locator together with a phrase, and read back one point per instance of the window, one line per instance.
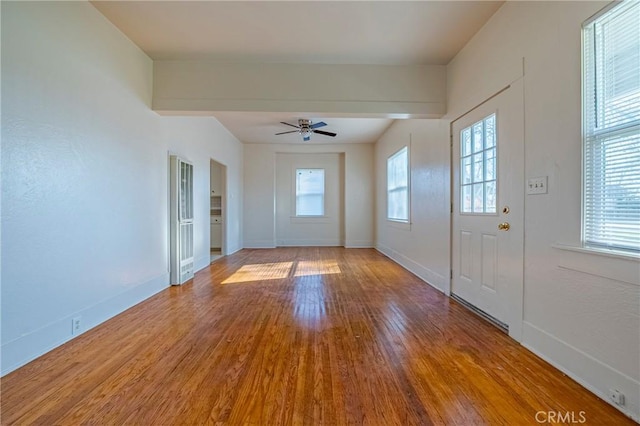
(309, 192)
(611, 120)
(478, 164)
(398, 186)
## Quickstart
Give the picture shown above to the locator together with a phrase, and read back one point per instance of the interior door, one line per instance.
(488, 208)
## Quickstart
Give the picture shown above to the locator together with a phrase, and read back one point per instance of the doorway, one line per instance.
(488, 209)
(217, 194)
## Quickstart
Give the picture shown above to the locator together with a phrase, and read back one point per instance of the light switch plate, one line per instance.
(537, 185)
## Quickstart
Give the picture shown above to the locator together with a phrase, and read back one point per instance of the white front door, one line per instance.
(488, 208)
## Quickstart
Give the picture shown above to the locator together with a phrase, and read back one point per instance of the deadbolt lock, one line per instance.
(506, 210)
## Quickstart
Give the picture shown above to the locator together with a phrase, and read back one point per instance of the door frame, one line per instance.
(516, 301)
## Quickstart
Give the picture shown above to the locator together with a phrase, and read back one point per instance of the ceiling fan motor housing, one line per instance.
(305, 128)
(304, 123)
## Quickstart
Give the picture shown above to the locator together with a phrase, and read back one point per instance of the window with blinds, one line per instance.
(309, 192)
(611, 119)
(398, 186)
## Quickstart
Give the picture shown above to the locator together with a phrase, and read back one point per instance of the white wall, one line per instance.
(327, 230)
(581, 310)
(259, 191)
(85, 175)
(423, 246)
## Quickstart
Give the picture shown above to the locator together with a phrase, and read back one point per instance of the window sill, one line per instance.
(613, 265)
(598, 252)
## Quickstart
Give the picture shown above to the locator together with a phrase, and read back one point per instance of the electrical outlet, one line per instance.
(75, 325)
(616, 396)
(537, 185)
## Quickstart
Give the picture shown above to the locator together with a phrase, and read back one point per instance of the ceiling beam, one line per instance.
(395, 91)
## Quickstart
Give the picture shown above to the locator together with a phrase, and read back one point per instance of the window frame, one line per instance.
(296, 194)
(589, 115)
(484, 181)
(397, 153)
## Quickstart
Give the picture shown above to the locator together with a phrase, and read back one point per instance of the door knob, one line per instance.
(504, 226)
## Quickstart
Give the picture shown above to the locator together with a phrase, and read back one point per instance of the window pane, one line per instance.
(489, 128)
(398, 185)
(477, 137)
(466, 142)
(617, 63)
(310, 205)
(477, 168)
(309, 192)
(465, 202)
(612, 192)
(478, 198)
(490, 166)
(466, 170)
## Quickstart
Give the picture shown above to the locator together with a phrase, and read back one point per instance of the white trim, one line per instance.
(599, 13)
(258, 244)
(598, 252)
(359, 244)
(331, 242)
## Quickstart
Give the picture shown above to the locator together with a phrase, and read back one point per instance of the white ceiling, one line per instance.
(331, 32)
(262, 127)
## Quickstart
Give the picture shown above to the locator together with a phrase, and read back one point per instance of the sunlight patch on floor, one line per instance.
(259, 272)
(312, 267)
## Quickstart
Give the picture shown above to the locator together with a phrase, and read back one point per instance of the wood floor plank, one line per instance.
(295, 336)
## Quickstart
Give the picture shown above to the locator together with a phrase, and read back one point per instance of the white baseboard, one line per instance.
(358, 244)
(30, 346)
(427, 275)
(310, 243)
(592, 374)
(259, 244)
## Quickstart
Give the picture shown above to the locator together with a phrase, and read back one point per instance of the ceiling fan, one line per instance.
(306, 128)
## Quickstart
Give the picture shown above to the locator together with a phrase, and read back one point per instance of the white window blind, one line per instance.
(309, 192)
(611, 192)
(398, 186)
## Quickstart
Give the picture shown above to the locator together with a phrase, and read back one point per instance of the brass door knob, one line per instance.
(504, 226)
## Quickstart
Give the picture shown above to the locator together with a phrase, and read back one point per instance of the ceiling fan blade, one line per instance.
(316, 125)
(292, 125)
(320, 132)
(291, 131)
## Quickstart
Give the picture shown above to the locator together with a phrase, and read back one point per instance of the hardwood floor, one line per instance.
(315, 336)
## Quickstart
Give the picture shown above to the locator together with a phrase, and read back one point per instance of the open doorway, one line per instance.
(217, 193)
